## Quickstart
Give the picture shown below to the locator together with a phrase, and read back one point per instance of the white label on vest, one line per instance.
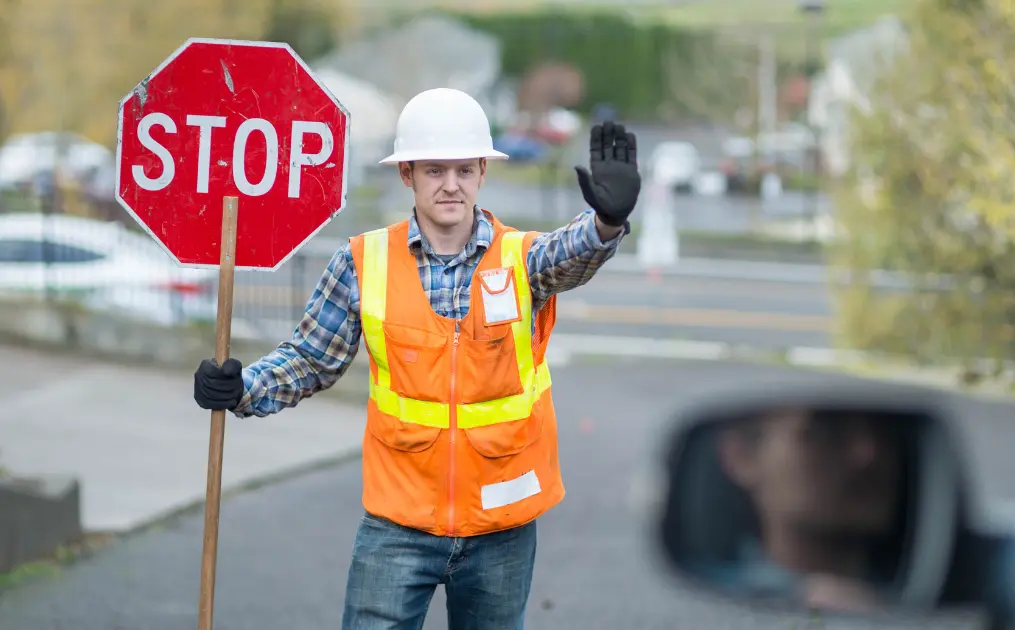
(500, 298)
(504, 493)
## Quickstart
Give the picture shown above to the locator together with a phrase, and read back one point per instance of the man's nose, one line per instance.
(450, 184)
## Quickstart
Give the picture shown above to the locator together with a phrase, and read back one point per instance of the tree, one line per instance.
(7, 8)
(929, 192)
(708, 77)
(67, 64)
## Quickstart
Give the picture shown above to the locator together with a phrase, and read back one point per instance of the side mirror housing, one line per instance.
(843, 498)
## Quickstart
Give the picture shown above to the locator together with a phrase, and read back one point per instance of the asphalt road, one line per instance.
(284, 549)
(753, 313)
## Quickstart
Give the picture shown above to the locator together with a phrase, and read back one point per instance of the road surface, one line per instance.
(284, 549)
(760, 314)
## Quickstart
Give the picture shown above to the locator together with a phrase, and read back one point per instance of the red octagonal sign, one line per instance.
(231, 118)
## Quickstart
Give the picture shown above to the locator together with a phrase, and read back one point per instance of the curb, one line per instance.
(255, 482)
(757, 270)
(565, 348)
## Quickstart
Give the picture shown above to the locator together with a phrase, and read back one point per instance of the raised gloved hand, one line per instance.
(218, 387)
(612, 187)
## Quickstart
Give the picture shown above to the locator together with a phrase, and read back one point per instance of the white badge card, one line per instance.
(500, 296)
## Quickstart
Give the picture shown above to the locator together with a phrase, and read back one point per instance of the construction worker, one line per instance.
(456, 309)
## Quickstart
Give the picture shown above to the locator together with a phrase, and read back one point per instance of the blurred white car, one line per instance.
(676, 165)
(24, 157)
(105, 266)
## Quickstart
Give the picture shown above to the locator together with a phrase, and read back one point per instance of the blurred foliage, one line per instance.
(72, 62)
(929, 192)
(782, 19)
(750, 183)
(65, 65)
(6, 55)
(640, 68)
(304, 26)
(802, 180)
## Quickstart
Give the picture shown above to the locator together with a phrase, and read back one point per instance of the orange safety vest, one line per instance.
(461, 433)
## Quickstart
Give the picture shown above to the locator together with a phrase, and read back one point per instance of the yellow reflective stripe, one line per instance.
(373, 301)
(410, 411)
(373, 308)
(482, 414)
(511, 256)
(470, 416)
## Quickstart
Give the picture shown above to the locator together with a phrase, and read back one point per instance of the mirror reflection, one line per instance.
(802, 504)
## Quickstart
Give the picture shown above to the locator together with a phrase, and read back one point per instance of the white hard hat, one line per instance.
(442, 124)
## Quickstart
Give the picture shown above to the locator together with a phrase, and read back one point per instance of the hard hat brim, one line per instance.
(414, 156)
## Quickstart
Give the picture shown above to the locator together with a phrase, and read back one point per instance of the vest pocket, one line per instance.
(505, 438)
(489, 370)
(419, 364)
(399, 435)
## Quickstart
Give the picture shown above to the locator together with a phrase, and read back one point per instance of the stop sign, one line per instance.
(230, 118)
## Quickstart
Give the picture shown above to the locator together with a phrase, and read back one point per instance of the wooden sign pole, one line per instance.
(223, 335)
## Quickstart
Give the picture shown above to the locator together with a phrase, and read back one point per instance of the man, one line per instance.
(825, 489)
(456, 309)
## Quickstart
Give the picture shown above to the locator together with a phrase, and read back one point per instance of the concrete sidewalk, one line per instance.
(137, 441)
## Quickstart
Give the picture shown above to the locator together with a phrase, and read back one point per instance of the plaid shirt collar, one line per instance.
(482, 235)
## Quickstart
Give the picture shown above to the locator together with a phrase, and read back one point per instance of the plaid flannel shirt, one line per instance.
(328, 337)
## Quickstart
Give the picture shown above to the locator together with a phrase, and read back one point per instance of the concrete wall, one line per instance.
(36, 517)
(67, 327)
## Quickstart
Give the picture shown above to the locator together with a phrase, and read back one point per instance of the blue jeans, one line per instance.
(395, 571)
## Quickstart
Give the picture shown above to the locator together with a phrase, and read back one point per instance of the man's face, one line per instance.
(445, 190)
(833, 477)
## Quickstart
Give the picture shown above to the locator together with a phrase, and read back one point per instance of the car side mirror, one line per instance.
(843, 499)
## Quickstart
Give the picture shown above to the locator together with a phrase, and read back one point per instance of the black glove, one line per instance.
(613, 186)
(218, 387)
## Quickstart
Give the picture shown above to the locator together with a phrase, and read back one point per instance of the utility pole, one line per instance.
(767, 88)
(813, 11)
(766, 119)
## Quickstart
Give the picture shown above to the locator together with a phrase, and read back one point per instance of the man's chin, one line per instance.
(450, 214)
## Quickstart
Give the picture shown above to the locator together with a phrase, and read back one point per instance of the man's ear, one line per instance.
(482, 171)
(405, 171)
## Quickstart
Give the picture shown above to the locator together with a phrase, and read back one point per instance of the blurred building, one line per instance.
(373, 114)
(427, 52)
(854, 62)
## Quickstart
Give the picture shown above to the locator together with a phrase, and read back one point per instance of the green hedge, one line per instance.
(624, 63)
(308, 29)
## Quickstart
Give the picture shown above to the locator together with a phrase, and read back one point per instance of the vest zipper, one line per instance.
(454, 430)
